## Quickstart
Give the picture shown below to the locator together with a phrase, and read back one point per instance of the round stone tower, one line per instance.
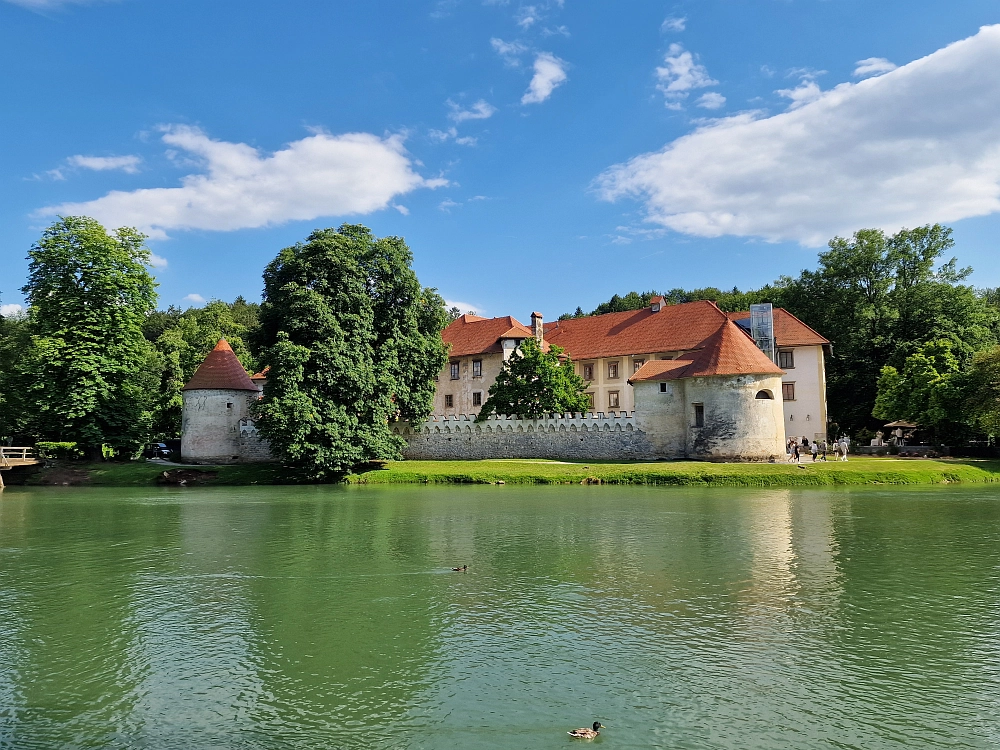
(216, 400)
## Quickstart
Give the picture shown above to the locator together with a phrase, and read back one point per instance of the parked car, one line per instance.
(157, 450)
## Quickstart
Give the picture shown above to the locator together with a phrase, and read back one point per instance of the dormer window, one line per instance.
(655, 307)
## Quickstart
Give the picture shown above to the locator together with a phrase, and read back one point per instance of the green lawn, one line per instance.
(857, 471)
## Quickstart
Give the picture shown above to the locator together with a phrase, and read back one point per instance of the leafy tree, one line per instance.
(353, 343)
(14, 342)
(532, 383)
(89, 374)
(982, 391)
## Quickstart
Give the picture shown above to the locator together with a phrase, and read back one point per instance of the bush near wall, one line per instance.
(59, 451)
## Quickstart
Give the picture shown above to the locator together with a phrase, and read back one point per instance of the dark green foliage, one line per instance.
(532, 383)
(15, 340)
(89, 376)
(981, 391)
(353, 343)
(61, 451)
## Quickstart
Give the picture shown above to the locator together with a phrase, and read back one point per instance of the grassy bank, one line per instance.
(857, 471)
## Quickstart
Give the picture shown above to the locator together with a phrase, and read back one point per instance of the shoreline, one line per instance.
(858, 471)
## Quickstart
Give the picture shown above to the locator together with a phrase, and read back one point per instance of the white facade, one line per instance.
(805, 412)
(210, 425)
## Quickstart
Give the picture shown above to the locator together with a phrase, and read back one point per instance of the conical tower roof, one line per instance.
(221, 371)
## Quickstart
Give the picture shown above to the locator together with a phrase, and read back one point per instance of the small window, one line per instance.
(449, 401)
(786, 360)
(636, 364)
(788, 391)
(612, 370)
(477, 398)
(590, 398)
(229, 405)
(454, 370)
(764, 395)
(612, 399)
(699, 415)
(663, 387)
(588, 372)
(477, 368)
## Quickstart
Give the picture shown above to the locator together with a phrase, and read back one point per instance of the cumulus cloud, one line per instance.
(527, 15)
(919, 144)
(805, 92)
(447, 204)
(128, 164)
(321, 175)
(157, 261)
(481, 110)
(510, 51)
(550, 72)
(680, 74)
(195, 299)
(873, 66)
(464, 306)
(12, 309)
(673, 23)
(402, 209)
(711, 100)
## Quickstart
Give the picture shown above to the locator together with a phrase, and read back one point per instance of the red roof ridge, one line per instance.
(221, 370)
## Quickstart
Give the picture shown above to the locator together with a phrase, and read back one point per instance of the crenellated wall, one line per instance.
(594, 436)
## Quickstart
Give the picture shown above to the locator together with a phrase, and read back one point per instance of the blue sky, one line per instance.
(535, 155)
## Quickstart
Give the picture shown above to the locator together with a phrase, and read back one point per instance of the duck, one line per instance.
(462, 569)
(587, 733)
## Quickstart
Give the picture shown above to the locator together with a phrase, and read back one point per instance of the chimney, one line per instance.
(536, 327)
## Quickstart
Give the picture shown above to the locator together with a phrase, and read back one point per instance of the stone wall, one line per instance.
(575, 437)
(253, 448)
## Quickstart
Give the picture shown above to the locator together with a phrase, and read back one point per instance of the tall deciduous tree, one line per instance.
(532, 383)
(90, 374)
(353, 342)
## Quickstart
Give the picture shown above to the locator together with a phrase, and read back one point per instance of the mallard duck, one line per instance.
(587, 733)
(462, 569)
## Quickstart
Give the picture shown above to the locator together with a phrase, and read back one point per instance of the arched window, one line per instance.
(765, 394)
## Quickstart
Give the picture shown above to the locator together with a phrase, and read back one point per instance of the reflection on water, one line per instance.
(329, 617)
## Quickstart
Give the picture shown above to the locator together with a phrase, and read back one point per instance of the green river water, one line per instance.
(329, 617)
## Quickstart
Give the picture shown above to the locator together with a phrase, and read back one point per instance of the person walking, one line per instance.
(824, 446)
(814, 449)
(795, 450)
(843, 448)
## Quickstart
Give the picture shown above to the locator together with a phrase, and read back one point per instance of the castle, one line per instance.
(667, 381)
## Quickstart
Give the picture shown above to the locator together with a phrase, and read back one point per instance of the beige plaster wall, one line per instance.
(602, 385)
(462, 389)
(806, 415)
(210, 425)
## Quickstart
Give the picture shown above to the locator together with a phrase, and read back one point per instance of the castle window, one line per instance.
(449, 401)
(636, 364)
(590, 398)
(663, 387)
(764, 394)
(699, 415)
(612, 370)
(788, 391)
(612, 399)
(477, 398)
(229, 405)
(786, 360)
(477, 368)
(454, 371)
(588, 372)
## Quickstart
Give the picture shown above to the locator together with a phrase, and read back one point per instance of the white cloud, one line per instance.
(680, 75)
(196, 299)
(464, 306)
(402, 209)
(873, 66)
(550, 72)
(447, 204)
(128, 164)
(526, 16)
(452, 133)
(321, 175)
(556, 31)
(467, 140)
(481, 110)
(157, 261)
(673, 23)
(11, 309)
(711, 100)
(509, 51)
(805, 92)
(919, 144)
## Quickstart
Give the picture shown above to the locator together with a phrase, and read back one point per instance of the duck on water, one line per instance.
(587, 733)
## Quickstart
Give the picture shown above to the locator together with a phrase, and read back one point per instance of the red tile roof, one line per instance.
(673, 328)
(221, 370)
(728, 351)
(788, 330)
(471, 334)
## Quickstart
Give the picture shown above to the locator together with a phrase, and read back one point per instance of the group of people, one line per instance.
(817, 448)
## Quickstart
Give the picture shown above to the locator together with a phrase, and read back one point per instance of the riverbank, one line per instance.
(858, 471)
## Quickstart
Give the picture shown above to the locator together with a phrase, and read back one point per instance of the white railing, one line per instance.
(9, 455)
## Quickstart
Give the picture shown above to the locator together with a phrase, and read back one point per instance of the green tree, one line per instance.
(15, 340)
(982, 391)
(532, 383)
(353, 343)
(90, 375)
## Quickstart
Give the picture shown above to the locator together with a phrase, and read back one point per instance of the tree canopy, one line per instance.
(532, 383)
(353, 342)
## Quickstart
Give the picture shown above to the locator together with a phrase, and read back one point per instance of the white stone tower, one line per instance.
(216, 400)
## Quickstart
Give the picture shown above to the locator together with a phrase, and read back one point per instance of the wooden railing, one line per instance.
(16, 456)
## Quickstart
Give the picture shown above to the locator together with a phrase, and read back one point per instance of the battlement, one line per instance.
(621, 421)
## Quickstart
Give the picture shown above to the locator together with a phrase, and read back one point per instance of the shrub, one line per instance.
(64, 451)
